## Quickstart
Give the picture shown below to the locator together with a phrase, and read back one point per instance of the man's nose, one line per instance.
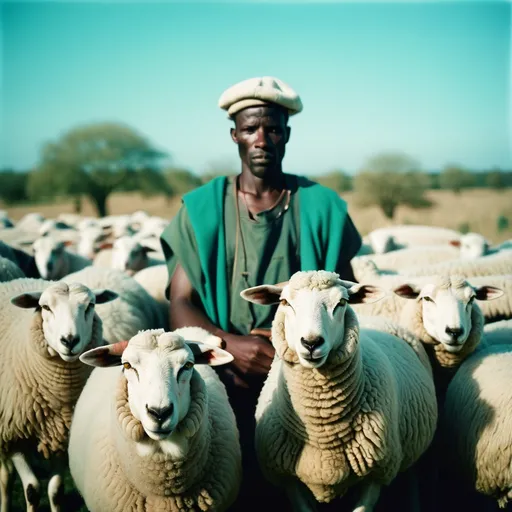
(262, 138)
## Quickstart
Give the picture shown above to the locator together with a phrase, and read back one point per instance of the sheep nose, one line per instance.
(311, 343)
(160, 414)
(70, 341)
(454, 332)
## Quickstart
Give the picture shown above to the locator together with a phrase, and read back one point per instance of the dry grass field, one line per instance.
(475, 210)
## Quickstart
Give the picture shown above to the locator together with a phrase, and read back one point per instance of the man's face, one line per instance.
(261, 135)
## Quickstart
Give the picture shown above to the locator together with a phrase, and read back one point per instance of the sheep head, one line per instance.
(67, 313)
(447, 307)
(50, 257)
(314, 305)
(158, 367)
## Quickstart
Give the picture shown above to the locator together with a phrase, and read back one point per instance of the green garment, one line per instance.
(274, 245)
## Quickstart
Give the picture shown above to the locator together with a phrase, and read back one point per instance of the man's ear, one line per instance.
(264, 294)
(234, 138)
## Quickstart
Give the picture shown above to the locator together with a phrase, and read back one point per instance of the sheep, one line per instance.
(153, 280)
(9, 270)
(5, 221)
(89, 240)
(474, 245)
(128, 255)
(30, 222)
(392, 306)
(54, 261)
(44, 328)
(24, 261)
(500, 263)
(159, 435)
(444, 316)
(50, 225)
(404, 258)
(476, 424)
(134, 310)
(341, 406)
(409, 235)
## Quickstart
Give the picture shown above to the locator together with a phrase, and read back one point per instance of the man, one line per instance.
(259, 227)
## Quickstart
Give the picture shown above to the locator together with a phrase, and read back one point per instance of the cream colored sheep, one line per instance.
(44, 327)
(159, 435)
(476, 423)
(444, 316)
(340, 406)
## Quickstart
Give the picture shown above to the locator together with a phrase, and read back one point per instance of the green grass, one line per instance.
(72, 501)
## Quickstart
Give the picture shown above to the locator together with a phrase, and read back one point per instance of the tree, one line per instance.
(455, 178)
(337, 180)
(219, 167)
(13, 186)
(391, 179)
(182, 180)
(495, 179)
(94, 160)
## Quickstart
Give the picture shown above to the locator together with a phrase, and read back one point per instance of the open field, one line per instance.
(474, 210)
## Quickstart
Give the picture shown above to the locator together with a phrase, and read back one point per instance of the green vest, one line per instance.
(322, 219)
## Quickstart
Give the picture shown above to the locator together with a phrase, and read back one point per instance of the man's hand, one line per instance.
(253, 354)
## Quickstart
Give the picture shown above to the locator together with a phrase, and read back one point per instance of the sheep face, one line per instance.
(446, 308)
(314, 305)
(89, 239)
(67, 313)
(314, 322)
(472, 245)
(128, 254)
(158, 367)
(49, 256)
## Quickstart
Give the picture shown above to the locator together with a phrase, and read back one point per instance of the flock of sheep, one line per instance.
(414, 363)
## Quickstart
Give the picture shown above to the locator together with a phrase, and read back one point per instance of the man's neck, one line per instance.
(259, 187)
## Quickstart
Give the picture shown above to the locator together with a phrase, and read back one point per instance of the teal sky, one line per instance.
(432, 79)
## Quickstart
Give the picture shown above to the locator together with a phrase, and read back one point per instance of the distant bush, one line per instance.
(182, 180)
(464, 228)
(502, 223)
(390, 180)
(336, 180)
(455, 179)
(13, 186)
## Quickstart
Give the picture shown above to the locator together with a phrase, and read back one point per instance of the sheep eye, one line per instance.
(188, 365)
(89, 307)
(45, 307)
(342, 302)
(284, 302)
(427, 299)
(471, 300)
(127, 366)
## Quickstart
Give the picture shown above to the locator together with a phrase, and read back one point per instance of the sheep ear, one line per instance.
(147, 249)
(109, 355)
(488, 293)
(106, 245)
(68, 243)
(455, 243)
(365, 294)
(27, 300)
(407, 291)
(208, 354)
(103, 296)
(264, 294)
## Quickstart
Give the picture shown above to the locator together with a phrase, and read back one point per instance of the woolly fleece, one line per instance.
(369, 412)
(37, 392)
(110, 474)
